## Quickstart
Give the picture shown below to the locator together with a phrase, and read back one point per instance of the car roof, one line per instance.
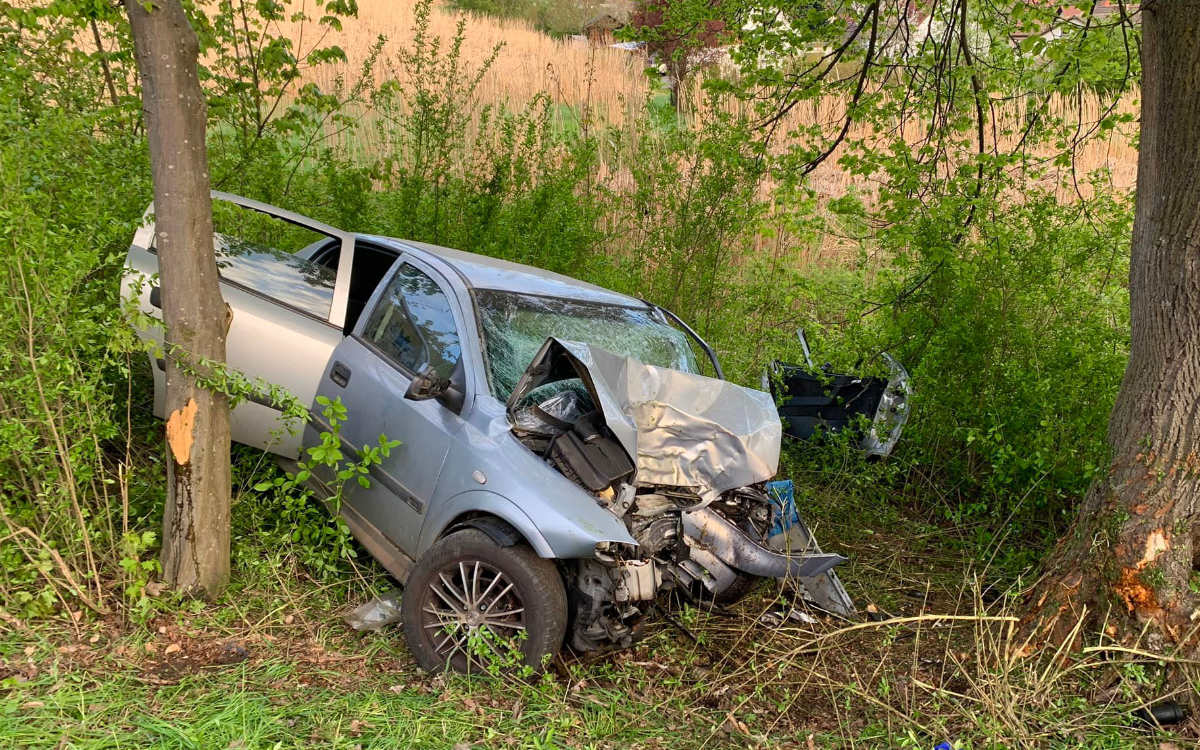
(485, 272)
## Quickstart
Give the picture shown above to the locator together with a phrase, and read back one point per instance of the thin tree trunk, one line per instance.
(1129, 554)
(195, 552)
(103, 57)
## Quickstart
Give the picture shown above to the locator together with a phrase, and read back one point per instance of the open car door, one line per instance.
(288, 312)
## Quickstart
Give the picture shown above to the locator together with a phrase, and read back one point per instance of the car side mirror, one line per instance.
(451, 391)
(426, 385)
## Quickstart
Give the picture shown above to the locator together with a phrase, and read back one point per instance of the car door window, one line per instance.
(257, 251)
(413, 323)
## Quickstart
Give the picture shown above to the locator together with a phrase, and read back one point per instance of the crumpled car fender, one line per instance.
(552, 535)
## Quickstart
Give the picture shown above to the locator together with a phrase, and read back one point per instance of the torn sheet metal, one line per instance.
(682, 429)
(811, 402)
(790, 535)
(892, 413)
(707, 529)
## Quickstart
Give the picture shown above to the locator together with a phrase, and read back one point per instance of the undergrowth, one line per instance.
(272, 665)
(1013, 329)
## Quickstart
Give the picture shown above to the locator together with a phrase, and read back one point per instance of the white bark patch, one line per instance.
(1156, 544)
(180, 432)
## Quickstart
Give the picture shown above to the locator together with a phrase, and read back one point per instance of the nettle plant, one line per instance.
(321, 544)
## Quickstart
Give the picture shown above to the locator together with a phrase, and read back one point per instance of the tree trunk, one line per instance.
(195, 552)
(1129, 554)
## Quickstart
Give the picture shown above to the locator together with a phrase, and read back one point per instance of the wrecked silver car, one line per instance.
(563, 464)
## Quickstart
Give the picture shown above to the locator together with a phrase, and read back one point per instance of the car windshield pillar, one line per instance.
(708, 350)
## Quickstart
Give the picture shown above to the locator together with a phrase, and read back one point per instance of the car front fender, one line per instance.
(552, 535)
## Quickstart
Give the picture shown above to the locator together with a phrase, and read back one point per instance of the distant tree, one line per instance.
(195, 551)
(676, 32)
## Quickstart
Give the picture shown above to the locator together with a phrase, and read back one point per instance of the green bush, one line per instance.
(1007, 305)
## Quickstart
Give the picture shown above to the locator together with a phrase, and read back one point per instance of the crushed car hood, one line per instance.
(680, 429)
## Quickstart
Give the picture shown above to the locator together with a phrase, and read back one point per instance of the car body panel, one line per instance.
(488, 458)
(283, 345)
(425, 429)
(813, 402)
(485, 272)
(337, 312)
(410, 471)
(681, 429)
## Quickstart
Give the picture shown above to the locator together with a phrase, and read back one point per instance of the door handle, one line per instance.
(340, 374)
(156, 297)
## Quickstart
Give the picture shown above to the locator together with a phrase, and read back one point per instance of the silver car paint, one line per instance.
(485, 272)
(681, 429)
(286, 347)
(892, 413)
(443, 454)
(452, 464)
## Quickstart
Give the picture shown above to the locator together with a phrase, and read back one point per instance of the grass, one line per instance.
(275, 703)
(272, 665)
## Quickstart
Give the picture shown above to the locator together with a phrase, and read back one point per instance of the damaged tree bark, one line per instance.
(195, 551)
(1130, 552)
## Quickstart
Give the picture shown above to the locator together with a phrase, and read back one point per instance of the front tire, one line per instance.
(469, 603)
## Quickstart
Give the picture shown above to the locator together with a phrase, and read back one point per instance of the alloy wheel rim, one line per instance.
(468, 598)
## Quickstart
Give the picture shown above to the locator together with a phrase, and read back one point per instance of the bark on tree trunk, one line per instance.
(195, 551)
(1129, 554)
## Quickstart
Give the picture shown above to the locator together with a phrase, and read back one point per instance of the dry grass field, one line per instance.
(572, 72)
(610, 84)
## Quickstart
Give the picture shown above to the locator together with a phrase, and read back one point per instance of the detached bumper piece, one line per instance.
(719, 551)
(708, 530)
(789, 533)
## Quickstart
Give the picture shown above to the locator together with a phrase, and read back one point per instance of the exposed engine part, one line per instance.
(713, 549)
(589, 455)
(652, 504)
(690, 534)
(622, 500)
(639, 581)
(600, 621)
(654, 535)
(748, 508)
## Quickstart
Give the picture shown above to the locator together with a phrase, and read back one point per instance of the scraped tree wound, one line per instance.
(195, 552)
(1130, 556)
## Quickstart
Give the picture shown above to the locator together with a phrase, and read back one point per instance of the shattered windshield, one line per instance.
(516, 325)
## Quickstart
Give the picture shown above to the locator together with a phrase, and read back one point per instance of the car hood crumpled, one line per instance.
(680, 429)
